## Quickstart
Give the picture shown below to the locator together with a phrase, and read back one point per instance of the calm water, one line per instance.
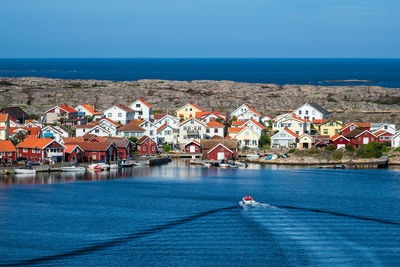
(385, 72)
(177, 215)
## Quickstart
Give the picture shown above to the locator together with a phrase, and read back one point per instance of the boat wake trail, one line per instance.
(117, 241)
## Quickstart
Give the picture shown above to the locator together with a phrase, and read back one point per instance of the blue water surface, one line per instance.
(383, 72)
(174, 215)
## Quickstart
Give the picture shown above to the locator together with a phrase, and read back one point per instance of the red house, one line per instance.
(219, 149)
(73, 153)
(98, 151)
(220, 152)
(360, 137)
(125, 147)
(339, 141)
(353, 125)
(8, 152)
(383, 137)
(146, 146)
(193, 147)
(41, 149)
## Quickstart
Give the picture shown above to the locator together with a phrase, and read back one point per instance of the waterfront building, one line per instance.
(354, 125)
(215, 128)
(339, 141)
(146, 146)
(284, 138)
(219, 149)
(166, 135)
(191, 129)
(125, 147)
(193, 146)
(73, 153)
(98, 151)
(8, 152)
(41, 150)
(327, 126)
(246, 137)
(383, 136)
(360, 136)
(305, 141)
(120, 113)
(143, 110)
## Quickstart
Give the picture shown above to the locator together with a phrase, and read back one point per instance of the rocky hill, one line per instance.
(361, 103)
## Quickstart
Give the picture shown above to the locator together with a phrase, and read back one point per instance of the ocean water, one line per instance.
(174, 215)
(382, 72)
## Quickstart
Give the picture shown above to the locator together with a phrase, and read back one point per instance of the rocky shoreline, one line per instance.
(360, 103)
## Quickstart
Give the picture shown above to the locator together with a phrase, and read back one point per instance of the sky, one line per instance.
(200, 29)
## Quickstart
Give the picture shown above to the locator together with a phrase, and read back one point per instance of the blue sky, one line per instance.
(202, 28)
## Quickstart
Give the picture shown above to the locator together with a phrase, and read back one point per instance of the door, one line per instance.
(221, 155)
(192, 149)
(365, 140)
(341, 146)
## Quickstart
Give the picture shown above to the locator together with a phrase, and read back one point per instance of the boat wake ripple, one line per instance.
(118, 240)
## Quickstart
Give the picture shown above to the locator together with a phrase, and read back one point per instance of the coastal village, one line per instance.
(83, 134)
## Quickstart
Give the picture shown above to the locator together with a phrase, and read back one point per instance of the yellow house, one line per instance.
(187, 111)
(247, 138)
(329, 127)
(4, 126)
(305, 142)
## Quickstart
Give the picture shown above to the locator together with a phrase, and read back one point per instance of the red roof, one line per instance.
(363, 125)
(3, 117)
(159, 116)
(258, 124)
(215, 124)
(67, 108)
(207, 113)
(251, 109)
(238, 123)
(33, 131)
(70, 148)
(87, 126)
(94, 146)
(7, 146)
(292, 133)
(190, 103)
(36, 142)
(381, 132)
(162, 127)
(300, 119)
(319, 121)
(68, 140)
(141, 100)
(91, 109)
(193, 141)
(125, 108)
(111, 121)
(142, 139)
(235, 129)
(131, 127)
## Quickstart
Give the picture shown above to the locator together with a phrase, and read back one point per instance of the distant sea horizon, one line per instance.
(383, 72)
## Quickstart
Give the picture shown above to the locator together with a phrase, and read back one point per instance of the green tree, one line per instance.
(265, 140)
(167, 148)
(133, 140)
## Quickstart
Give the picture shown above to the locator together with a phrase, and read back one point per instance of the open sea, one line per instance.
(382, 72)
(176, 215)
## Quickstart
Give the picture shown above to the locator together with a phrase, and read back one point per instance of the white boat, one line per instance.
(233, 165)
(126, 163)
(95, 167)
(25, 170)
(140, 163)
(73, 169)
(223, 165)
(104, 165)
(114, 166)
(253, 156)
(274, 156)
(247, 201)
(207, 164)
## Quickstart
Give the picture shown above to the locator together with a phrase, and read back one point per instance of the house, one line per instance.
(219, 149)
(142, 109)
(188, 111)
(396, 140)
(387, 127)
(91, 128)
(4, 126)
(16, 114)
(71, 140)
(131, 130)
(208, 116)
(41, 150)
(61, 113)
(311, 111)
(8, 152)
(191, 129)
(98, 151)
(55, 132)
(146, 146)
(124, 146)
(89, 111)
(320, 141)
(215, 128)
(305, 141)
(255, 126)
(360, 136)
(284, 138)
(120, 113)
(290, 121)
(328, 126)
(150, 128)
(383, 136)
(193, 146)
(353, 125)
(339, 141)
(166, 119)
(20, 133)
(267, 120)
(73, 153)
(109, 125)
(232, 131)
(165, 134)
(247, 138)
(245, 113)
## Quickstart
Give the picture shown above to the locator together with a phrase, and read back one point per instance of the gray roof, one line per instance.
(319, 108)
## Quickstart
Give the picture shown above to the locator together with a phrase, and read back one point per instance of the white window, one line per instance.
(325, 131)
(25, 150)
(97, 131)
(120, 115)
(10, 153)
(109, 115)
(151, 132)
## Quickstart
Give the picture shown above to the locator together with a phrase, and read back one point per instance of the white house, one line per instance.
(266, 120)
(55, 132)
(245, 113)
(284, 138)
(311, 111)
(131, 130)
(191, 129)
(150, 128)
(89, 110)
(388, 127)
(208, 116)
(109, 125)
(120, 113)
(293, 123)
(215, 128)
(396, 140)
(246, 137)
(142, 109)
(91, 128)
(168, 119)
(165, 134)
(257, 127)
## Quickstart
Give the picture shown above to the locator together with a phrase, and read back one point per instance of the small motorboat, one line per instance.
(274, 156)
(247, 200)
(114, 165)
(140, 163)
(105, 166)
(95, 167)
(223, 164)
(126, 163)
(25, 170)
(268, 157)
(73, 168)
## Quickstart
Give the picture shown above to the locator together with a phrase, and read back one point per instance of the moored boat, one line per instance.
(25, 170)
(95, 167)
(73, 169)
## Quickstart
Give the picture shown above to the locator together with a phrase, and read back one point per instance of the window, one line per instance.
(190, 109)
(306, 112)
(300, 125)
(299, 112)
(325, 131)
(151, 132)
(25, 150)
(313, 112)
(10, 153)
(246, 133)
(215, 130)
(138, 105)
(109, 115)
(97, 131)
(207, 130)
(144, 148)
(297, 132)
(120, 115)
(83, 130)
(331, 123)
(192, 122)
(186, 109)
(152, 148)
(184, 128)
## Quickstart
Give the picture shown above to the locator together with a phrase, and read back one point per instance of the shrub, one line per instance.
(292, 150)
(372, 150)
(349, 148)
(330, 148)
(167, 147)
(397, 149)
(265, 140)
(338, 155)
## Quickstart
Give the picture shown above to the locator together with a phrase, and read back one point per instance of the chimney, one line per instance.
(140, 98)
